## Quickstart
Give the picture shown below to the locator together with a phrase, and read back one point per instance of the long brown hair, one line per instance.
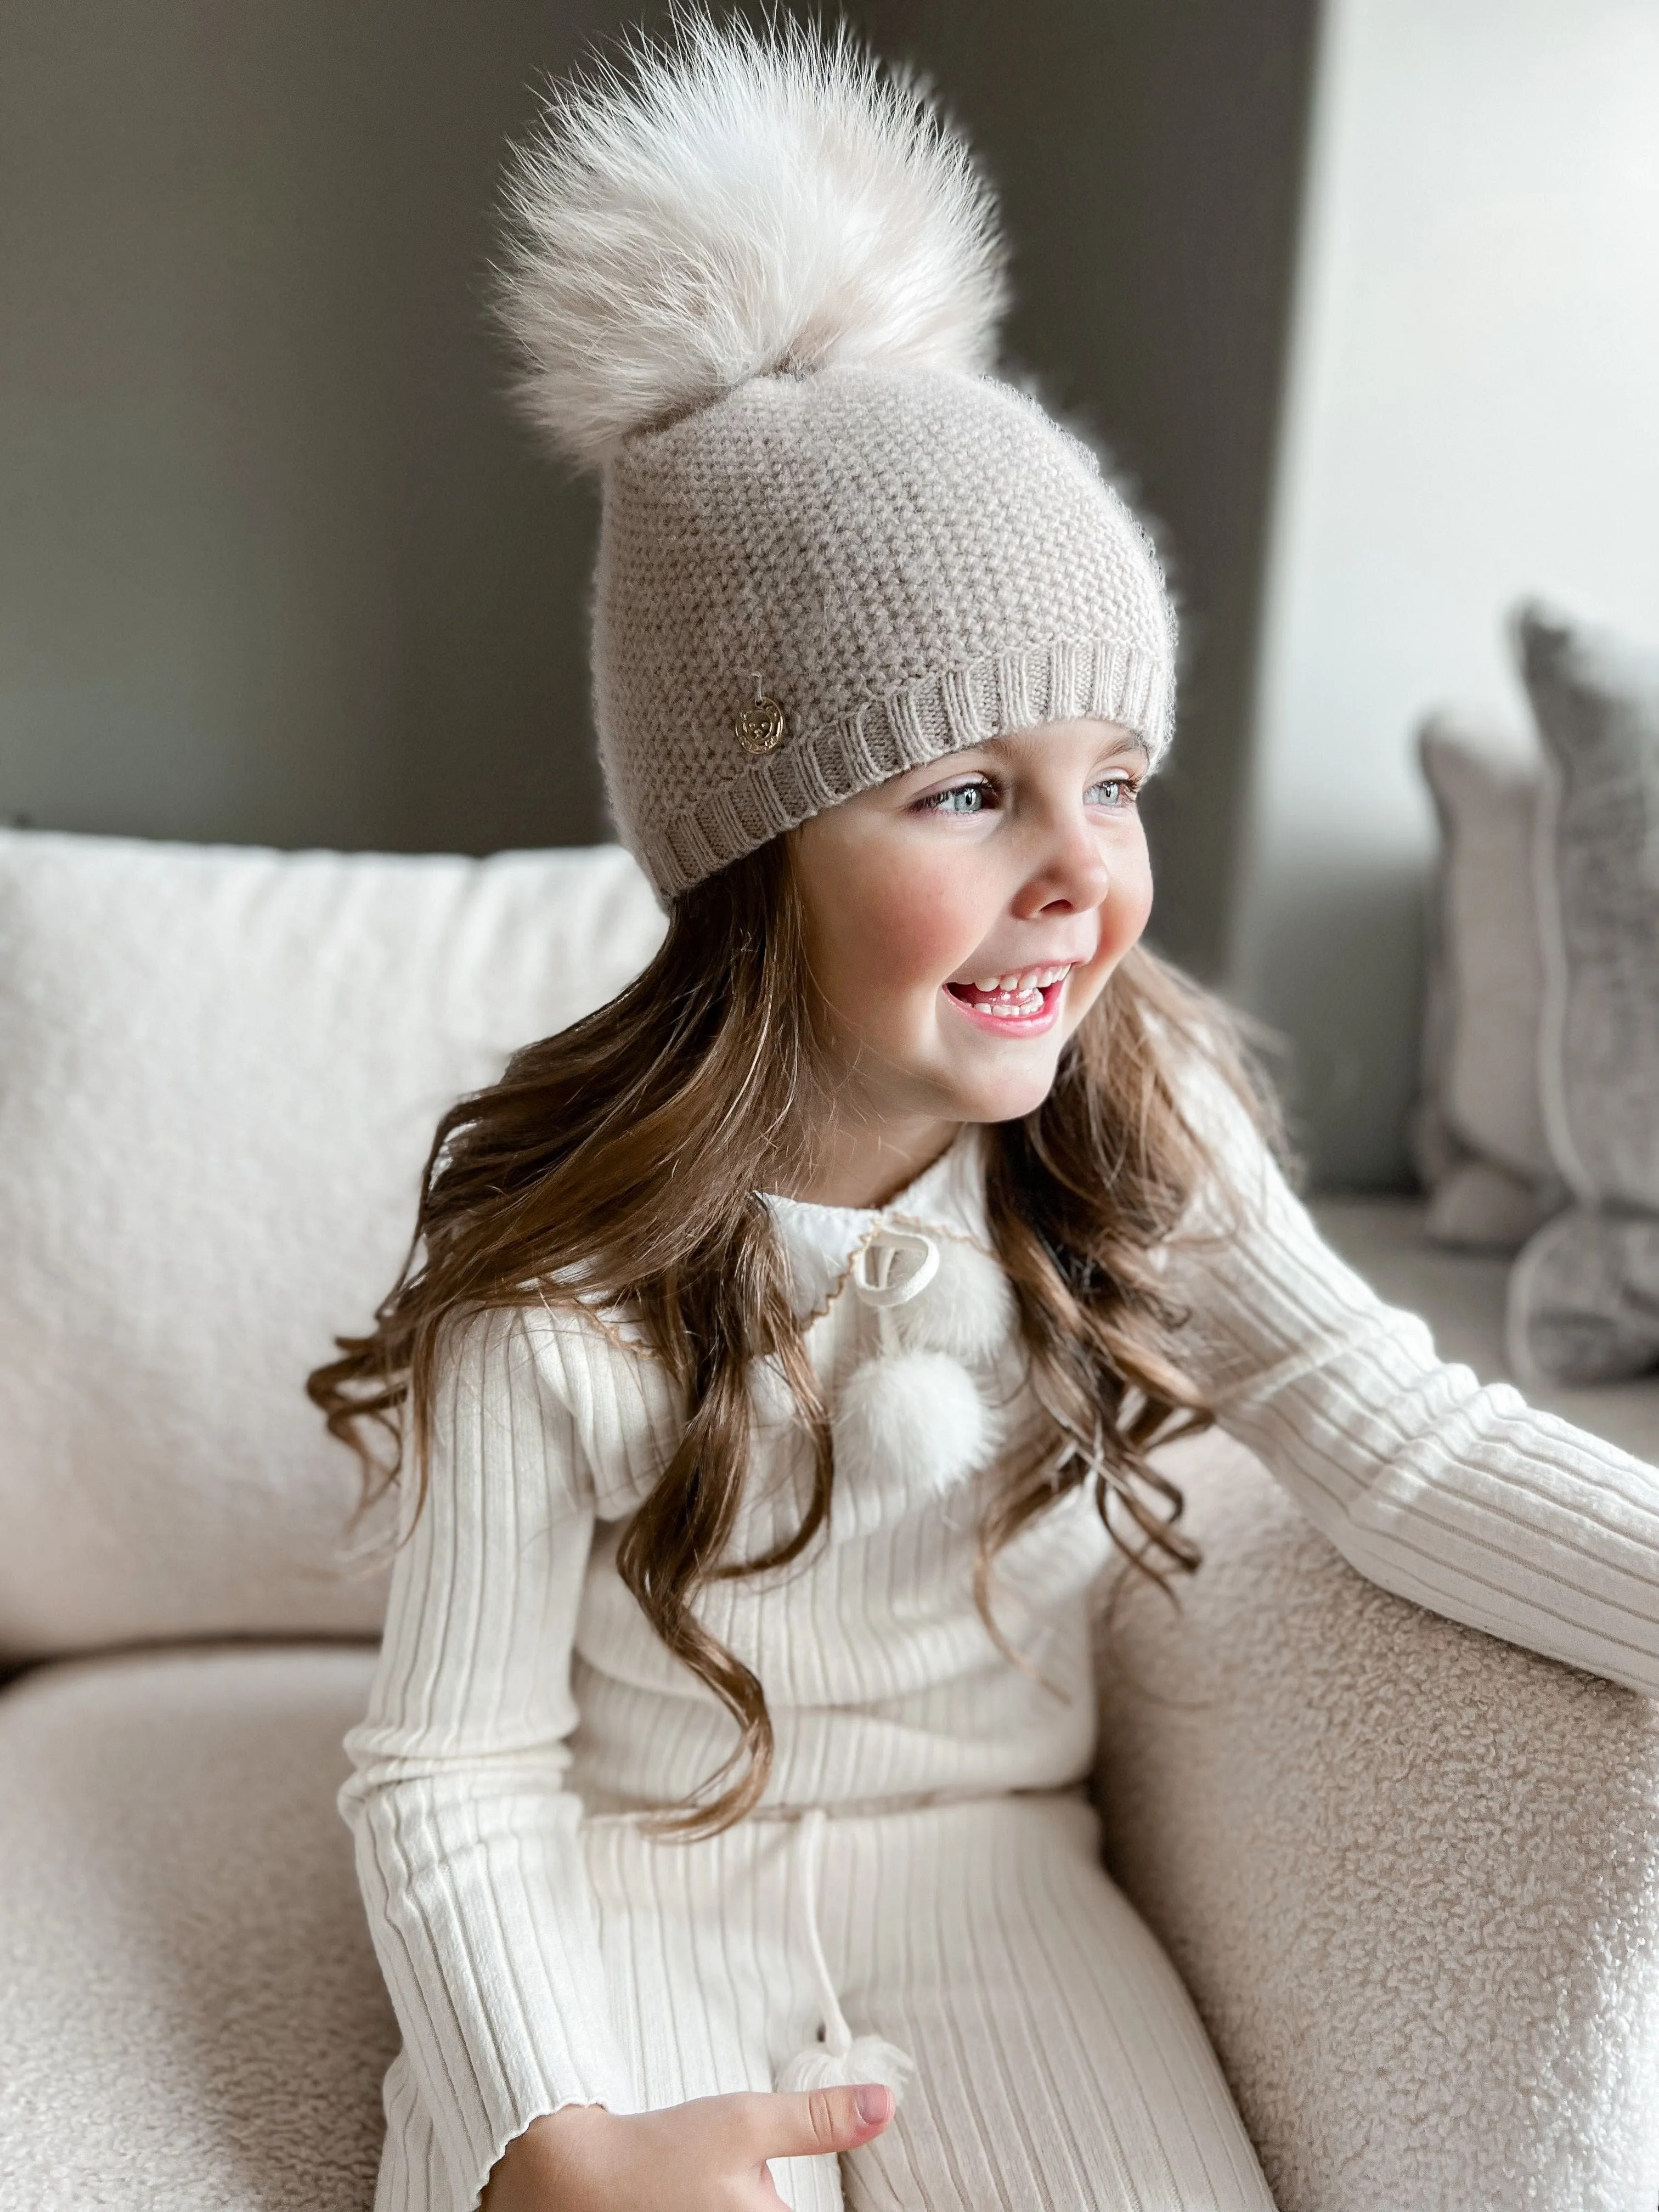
(627, 1152)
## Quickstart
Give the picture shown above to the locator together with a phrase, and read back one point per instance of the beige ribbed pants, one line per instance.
(1058, 2060)
(1061, 2066)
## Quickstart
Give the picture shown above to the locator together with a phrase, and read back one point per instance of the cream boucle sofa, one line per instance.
(1412, 1874)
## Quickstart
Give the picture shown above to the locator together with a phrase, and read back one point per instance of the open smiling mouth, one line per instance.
(1022, 1003)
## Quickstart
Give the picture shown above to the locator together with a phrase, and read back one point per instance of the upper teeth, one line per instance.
(1028, 980)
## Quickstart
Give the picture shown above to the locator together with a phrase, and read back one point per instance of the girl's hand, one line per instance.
(709, 2155)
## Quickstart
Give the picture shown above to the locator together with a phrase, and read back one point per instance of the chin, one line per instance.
(1008, 1095)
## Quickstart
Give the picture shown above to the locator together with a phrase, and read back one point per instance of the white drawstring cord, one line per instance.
(840, 2059)
(838, 2036)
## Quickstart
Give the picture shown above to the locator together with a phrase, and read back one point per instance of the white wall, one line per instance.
(1472, 415)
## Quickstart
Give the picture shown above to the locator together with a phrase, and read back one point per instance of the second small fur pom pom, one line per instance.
(738, 202)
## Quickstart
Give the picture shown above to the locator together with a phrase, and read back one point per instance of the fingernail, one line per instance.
(873, 2104)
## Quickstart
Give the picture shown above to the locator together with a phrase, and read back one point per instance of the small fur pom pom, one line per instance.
(868, 2059)
(911, 1423)
(738, 202)
(968, 1311)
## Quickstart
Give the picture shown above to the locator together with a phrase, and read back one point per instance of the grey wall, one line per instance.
(275, 562)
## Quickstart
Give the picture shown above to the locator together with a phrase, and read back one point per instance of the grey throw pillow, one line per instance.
(1584, 1300)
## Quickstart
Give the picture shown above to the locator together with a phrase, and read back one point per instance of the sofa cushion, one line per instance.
(193, 2014)
(220, 1071)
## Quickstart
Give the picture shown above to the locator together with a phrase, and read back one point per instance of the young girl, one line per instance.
(785, 1342)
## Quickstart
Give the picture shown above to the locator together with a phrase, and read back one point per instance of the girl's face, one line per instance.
(960, 919)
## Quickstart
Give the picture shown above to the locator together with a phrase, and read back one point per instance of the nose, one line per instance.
(1070, 876)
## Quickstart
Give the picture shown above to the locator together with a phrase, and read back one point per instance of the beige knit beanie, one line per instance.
(756, 283)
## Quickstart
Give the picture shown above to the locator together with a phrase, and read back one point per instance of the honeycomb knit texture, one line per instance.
(907, 561)
(754, 281)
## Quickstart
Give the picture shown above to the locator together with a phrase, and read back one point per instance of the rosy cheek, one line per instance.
(1127, 908)
(911, 928)
(1123, 917)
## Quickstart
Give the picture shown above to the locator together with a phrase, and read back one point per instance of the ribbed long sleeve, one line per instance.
(467, 1843)
(1454, 1494)
(520, 1686)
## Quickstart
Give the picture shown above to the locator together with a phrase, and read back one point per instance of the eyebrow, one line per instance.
(1126, 741)
(1131, 741)
(962, 761)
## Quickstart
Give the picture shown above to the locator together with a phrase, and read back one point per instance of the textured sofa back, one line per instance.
(220, 1071)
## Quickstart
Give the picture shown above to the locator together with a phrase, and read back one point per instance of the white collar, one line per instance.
(820, 1241)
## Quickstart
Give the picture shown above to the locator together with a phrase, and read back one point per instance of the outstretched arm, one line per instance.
(1458, 1495)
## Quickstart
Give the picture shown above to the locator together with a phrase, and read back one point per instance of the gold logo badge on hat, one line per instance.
(761, 725)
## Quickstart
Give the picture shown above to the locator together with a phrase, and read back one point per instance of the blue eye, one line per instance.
(1121, 791)
(958, 798)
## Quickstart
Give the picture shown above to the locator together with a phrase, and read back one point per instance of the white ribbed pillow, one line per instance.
(219, 1070)
(1481, 1136)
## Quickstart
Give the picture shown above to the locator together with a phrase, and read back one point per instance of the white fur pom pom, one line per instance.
(867, 2059)
(914, 1421)
(968, 1309)
(739, 203)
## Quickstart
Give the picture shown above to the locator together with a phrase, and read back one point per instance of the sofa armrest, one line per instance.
(1409, 1873)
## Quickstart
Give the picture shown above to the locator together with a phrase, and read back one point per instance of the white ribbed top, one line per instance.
(518, 1683)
